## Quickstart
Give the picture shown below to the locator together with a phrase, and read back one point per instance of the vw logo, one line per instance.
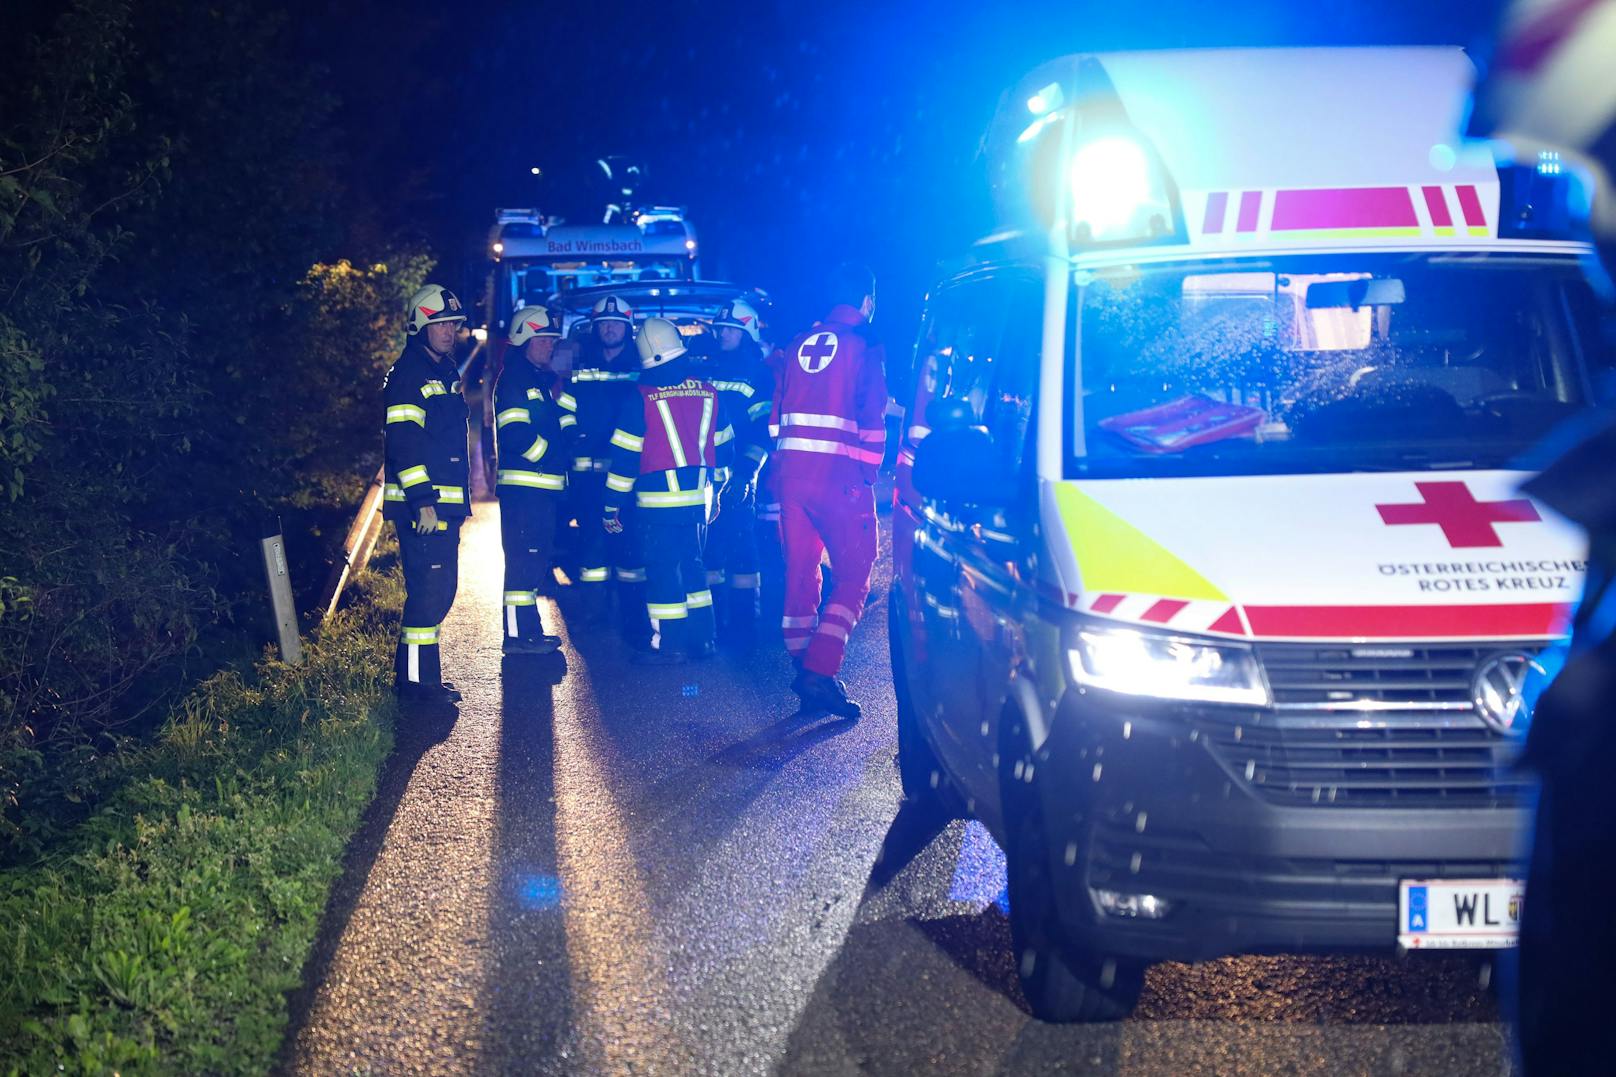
(1496, 688)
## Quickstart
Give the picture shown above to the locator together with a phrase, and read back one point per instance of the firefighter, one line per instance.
(670, 446)
(746, 388)
(427, 480)
(603, 384)
(535, 424)
(829, 417)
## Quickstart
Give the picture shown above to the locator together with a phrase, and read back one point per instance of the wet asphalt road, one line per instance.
(595, 867)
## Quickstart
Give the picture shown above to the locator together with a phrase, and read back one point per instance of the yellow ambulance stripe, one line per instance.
(1114, 555)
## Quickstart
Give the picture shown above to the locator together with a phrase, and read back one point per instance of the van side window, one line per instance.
(1016, 372)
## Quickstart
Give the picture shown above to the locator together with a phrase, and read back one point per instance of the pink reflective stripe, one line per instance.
(774, 430)
(1217, 205)
(829, 628)
(836, 609)
(1470, 204)
(830, 448)
(803, 418)
(1437, 203)
(796, 622)
(1342, 207)
(864, 456)
(1250, 204)
(866, 434)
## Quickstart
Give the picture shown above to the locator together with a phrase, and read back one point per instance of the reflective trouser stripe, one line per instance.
(619, 483)
(624, 440)
(631, 575)
(695, 600)
(521, 598)
(592, 575)
(666, 611)
(715, 576)
(512, 415)
(421, 636)
(745, 581)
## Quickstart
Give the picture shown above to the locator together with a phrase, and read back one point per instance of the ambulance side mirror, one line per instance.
(958, 465)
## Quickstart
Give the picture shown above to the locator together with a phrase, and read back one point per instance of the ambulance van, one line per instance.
(1214, 589)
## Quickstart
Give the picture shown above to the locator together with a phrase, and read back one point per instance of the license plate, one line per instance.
(1459, 914)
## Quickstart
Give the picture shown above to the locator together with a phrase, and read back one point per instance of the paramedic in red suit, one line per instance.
(829, 419)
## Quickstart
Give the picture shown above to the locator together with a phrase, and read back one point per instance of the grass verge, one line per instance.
(164, 935)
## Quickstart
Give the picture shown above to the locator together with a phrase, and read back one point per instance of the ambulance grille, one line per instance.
(1339, 677)
(1372, 726)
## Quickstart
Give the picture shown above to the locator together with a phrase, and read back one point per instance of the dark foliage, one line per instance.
(183, 354)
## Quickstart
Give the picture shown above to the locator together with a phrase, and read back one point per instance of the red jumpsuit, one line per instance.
(829, 418)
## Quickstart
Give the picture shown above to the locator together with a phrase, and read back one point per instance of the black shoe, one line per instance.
(658, 657)
(542, 645)
(439, 694)
(819, 692)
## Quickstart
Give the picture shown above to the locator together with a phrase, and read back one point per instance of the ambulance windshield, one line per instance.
(1328, 364)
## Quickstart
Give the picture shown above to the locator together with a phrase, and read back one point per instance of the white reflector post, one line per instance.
(280, 595)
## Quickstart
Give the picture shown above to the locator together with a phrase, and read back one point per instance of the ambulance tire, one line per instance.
(925, 788)
(1062, 984)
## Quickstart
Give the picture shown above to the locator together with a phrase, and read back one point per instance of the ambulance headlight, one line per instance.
(1158, 666)
(1118, 194)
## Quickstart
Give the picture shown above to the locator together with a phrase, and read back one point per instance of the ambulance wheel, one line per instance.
(1062, 984)
(919, 772)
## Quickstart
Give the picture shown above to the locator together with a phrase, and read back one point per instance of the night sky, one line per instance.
(796, 135)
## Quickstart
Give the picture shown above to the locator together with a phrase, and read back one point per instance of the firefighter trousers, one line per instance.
(677, 598)
(837, 519)
(732, 557)
(527, 528)
(431, 575)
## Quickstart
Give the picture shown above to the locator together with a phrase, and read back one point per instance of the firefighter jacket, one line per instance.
(745, 387)
(602, 390)
(672, 442)
(425, 437)
(829, 415)
(536, 423)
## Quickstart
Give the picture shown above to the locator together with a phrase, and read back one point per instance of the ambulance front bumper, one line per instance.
(1141, 802)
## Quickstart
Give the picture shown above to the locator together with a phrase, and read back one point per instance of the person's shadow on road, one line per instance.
(417, 729)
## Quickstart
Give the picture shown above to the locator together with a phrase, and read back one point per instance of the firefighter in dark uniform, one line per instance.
(535, 425)
(670, 448)
(427, 485)
(603, 383)
(746, 389)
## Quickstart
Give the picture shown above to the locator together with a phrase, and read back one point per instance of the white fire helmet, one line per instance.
(659, 342)
(740, 314)
(530, 322)
(434, 303)
(612, 309)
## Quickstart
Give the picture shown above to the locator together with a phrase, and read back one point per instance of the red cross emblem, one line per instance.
(1465, 522)
(815, 353)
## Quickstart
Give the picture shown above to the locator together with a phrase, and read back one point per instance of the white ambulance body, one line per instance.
(1215, 590)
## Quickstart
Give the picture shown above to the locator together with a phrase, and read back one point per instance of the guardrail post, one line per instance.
(280, 593)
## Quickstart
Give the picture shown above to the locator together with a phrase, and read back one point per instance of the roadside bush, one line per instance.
(183, 356)
(164, 935)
